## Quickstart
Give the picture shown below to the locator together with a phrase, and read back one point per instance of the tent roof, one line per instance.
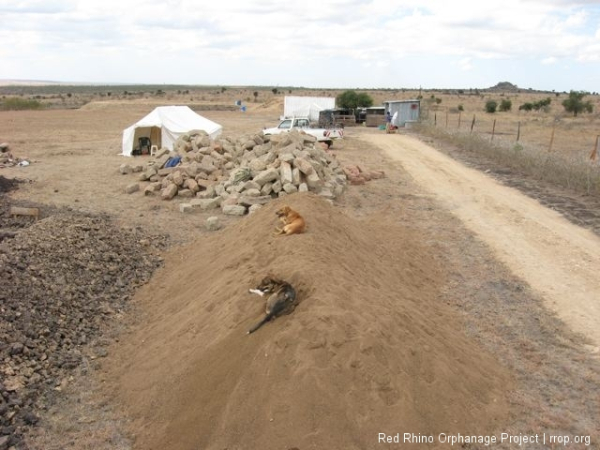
(173, 122)
(179, 119)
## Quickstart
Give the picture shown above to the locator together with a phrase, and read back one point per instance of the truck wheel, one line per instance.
(328, 143)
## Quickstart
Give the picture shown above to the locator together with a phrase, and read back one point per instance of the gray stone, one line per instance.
(206, 203)
(186, 208)
(285, 173)
(152, 188)
(169, 192)
(234, 210)
(290, 188)
(248, 201)
(125, 169)
(266, 175)
(131, 188)
(213, 223)
(304, 166)
(287, 157)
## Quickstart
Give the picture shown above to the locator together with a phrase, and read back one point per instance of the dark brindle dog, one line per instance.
(281, 300)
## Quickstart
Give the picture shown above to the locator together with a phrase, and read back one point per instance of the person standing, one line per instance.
(388, 122)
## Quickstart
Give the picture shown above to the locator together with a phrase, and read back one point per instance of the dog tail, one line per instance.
(260, 324)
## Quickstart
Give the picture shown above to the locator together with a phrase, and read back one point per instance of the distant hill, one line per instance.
(505, 86)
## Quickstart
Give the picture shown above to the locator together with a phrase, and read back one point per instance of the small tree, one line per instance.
(255, 95)
(352, 100)
(575, 103)
(490, 106)
(275, 91)
(505, 105)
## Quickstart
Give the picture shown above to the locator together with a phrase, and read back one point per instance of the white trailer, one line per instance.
(296, 106)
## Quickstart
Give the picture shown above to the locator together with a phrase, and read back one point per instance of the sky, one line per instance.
(369, 44)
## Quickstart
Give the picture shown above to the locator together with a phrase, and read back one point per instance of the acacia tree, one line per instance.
(575, 103)
(353, 100)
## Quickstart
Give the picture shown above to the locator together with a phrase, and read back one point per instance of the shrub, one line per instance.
(19, 104)
(526, 107)
(505, 105)
(575, 103)
(461, 108)
(490, 106)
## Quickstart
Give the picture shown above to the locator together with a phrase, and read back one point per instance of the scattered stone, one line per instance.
(125, 169)
(213, 223)
(131, 188)
(234, 210)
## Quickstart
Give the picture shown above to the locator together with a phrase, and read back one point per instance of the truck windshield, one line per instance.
(285, 124)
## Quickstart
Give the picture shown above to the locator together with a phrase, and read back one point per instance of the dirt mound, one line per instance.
(371, 348)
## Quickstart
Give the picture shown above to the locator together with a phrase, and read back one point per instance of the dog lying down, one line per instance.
(281, 300)
(292, 221)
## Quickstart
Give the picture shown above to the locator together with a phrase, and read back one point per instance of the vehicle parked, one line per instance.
(326, 135)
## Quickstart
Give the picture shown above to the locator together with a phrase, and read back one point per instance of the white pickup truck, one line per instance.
(302, 124)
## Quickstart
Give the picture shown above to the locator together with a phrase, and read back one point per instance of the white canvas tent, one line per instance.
(164, 125)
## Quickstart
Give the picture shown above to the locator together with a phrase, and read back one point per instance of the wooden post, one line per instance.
(473, 123)
(459, 118)
(594, 154)
(518, 131)
(435, 120)
(493, 129)
(552, 137)
(446, 118)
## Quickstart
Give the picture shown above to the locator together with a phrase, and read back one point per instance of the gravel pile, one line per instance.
(63, 280)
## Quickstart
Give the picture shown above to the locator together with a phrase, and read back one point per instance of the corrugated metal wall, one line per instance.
(408, 111)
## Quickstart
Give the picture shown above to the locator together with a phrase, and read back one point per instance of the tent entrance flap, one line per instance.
(152, 133)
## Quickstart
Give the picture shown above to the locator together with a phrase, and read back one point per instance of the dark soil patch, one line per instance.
(64, 279)
(7, 184)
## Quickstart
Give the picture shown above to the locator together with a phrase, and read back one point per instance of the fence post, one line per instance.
(552, 137)
(518, 131)
(493, 129)
(446, 118)
(473, 123)
(594, 154)
(435, 120)
(459, 118)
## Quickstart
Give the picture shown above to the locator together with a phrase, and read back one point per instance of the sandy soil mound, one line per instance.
(371, 348)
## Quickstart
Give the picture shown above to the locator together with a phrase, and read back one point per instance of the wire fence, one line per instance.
(575, 138)
(564, 153)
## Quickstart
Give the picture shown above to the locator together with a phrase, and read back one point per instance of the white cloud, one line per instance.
(260, 40)
(549, 61)
(465, 64)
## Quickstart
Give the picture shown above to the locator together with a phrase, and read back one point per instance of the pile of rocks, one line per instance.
(356, 175)
(239, 174)
(63, 281)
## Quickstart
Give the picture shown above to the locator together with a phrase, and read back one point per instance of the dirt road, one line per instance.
(556, 258)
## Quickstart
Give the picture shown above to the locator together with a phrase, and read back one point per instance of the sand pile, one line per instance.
(371, 347)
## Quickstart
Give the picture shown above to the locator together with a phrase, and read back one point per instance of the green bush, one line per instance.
(490, 106)
(353, 100)
(505, 105)
(575, 103)
(19, 104)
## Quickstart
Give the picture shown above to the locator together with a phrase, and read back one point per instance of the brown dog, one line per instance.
(292, 221)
